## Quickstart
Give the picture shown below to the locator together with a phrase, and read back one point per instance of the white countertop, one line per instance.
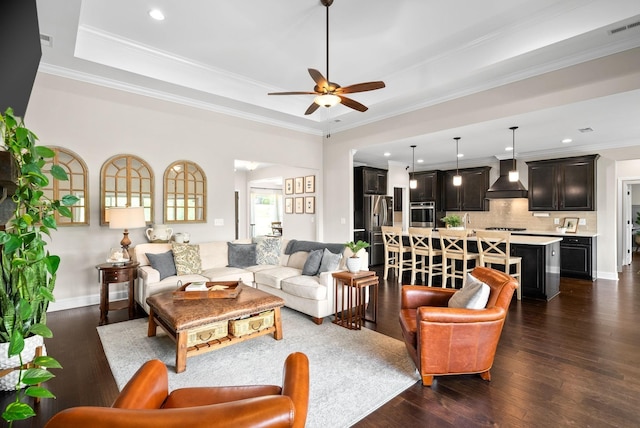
(554, 233)
(521, 239)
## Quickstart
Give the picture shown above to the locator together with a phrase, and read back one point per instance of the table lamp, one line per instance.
(126, 218)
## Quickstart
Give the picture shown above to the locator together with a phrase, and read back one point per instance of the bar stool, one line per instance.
(453, 244)
(423, 255)
(394, 251)
(490, 246)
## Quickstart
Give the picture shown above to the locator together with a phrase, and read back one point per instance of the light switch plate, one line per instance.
(582, 222)
(556, 221)
(218, 222)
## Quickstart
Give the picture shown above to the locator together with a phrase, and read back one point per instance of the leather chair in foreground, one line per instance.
(450, 341)
(146, 402)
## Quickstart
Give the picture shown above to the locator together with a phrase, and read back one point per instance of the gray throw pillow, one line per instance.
(330, 261)
(241, 255)
(163, 263)
(312, 264)
(474, 295)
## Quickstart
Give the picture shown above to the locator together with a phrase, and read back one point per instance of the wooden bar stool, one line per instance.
(490, 247)
(423, 255)
(394, 251)
(453, 244)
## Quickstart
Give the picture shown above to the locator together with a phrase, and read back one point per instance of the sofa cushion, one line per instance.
(268, 250)
(187, 259)
(213, 254)
(330, 261)
(273, 277)
(307, 287)
(474, 295)
(297, 260)
(312, 264)
(241, 255)
(163, 263)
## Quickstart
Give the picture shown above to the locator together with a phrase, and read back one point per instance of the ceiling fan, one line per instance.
(329, 93)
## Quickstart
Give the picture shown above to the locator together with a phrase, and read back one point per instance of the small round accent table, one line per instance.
(109, 273)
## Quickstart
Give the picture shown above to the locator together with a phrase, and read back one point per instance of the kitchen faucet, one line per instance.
(466, 220)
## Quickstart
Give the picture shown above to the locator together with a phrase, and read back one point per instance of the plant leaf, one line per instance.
(47, 361)
(36, 375)
(65, 212)
(39, 392)
(17, 343)
(53, 262)
(59, 173)
(41, 330)
(69, 200)
(17, 411)
(44, 152)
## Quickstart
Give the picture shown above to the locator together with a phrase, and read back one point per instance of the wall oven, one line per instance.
(423, 214)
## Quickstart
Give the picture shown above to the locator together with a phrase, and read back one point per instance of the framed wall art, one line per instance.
(310, 184)
(310, 205)
(299, 185)
(288, 205)
(288, 186)
(571, 223)
(300, 205)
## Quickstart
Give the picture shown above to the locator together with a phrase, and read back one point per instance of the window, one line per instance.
(127, 181)
(185, 190)
(266, 207)
(77, 185)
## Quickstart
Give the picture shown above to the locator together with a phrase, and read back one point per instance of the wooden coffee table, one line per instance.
(184, 319)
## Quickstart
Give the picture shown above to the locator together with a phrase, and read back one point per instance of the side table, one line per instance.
(350, 293)
(113, 274)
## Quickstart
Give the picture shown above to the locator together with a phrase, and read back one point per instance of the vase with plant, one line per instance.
(27, 270)
(353, 263)
(452, 221)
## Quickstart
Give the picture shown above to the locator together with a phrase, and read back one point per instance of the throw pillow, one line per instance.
(187, 259)
(312, 264)
(330, 261)
(241, 255)
(474, 295)
(268, 250)
(297, 259)
(163, 263)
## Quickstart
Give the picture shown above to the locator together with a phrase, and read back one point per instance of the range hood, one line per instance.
(503, 188)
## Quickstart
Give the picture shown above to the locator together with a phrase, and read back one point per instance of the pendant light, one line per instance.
(457, 179)
(413, 183)
(513, 174)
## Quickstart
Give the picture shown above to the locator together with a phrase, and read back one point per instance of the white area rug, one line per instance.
(352, 373)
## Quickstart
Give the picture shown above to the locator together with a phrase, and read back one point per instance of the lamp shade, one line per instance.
(327, 100)
(126, 217)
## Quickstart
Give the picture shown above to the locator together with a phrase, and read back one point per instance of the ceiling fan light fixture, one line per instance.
(327, 100)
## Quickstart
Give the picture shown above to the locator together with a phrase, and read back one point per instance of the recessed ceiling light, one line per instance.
(460, 155)
(420, 160)
(387, 154)
(508, 149)
(156, 14)
(566, 140)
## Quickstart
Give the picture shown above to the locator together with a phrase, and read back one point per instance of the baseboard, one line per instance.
(613, 276)
(80, 302)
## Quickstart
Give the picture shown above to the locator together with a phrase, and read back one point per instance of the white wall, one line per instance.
(97, 123)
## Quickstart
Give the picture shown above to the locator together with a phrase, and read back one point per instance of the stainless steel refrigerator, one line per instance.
(377, 212)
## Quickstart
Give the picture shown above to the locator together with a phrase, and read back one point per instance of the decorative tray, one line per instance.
(208, 290)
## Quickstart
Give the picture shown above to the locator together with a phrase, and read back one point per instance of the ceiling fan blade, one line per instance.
(313, 107)
(352, 103)
(317, 77)
(360, 87)
(292, 93)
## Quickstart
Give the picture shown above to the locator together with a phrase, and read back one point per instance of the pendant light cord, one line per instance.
(328, 45)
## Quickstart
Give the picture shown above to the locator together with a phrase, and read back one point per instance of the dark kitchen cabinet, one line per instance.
(370, 181)
(470, 196)
(429, 188)
(567, 184)
(540, 277)
(578, 257)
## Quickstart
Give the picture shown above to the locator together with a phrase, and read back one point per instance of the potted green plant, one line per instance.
(353, 263)
(27, 270)
(452, 221)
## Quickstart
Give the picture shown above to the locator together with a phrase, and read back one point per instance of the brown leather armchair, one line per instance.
(145, 402)
(448, 341)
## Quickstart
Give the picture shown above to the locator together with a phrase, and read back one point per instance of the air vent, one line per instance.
(624, 27)
(46, 40)
(583, 130)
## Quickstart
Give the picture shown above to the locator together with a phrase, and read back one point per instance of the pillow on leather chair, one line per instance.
(474, 295)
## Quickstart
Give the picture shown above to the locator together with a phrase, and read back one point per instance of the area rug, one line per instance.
(352, 372)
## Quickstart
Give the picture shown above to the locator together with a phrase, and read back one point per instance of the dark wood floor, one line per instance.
(573, 361)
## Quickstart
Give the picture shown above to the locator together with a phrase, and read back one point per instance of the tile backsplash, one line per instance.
(515, 213)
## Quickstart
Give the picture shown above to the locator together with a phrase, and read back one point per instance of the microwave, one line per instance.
(422, 214)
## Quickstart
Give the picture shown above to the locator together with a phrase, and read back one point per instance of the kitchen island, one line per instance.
(540, 262)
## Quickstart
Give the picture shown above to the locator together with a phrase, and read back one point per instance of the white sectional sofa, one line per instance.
(313, 295)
